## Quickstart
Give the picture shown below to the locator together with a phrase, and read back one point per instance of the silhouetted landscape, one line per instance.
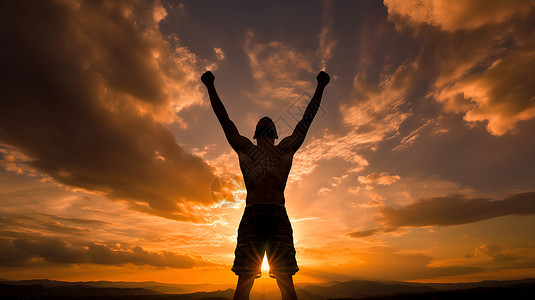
(355, 289)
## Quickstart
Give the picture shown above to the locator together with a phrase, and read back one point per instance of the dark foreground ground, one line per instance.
(521, 291)
(356, 289)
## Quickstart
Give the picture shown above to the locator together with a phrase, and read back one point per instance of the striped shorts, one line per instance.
(265, 228)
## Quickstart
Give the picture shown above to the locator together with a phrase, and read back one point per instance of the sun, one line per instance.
(265, 265)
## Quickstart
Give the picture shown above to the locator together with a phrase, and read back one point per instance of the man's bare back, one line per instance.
(265, 172)
(265, 227)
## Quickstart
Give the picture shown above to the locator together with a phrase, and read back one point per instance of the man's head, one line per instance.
(265, 128)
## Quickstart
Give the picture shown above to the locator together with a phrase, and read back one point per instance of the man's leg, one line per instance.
(286, 286)
(245, 283)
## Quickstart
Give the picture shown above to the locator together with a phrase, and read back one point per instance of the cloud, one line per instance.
(456, 210)
(20, 252)
(502, 95)
(388, 263)
(14, 161)
(373, 115)
(10, 255)
(410, 138)
(87, 88)
(495, 252)
(30, 208)
(370, 232)
(328, 147)
(76, 220)
(100, 254)
(457, 14)
(37, 224)
(379, 178)
(46, 223)
(482, 71)
(219, 53)
(276, 66)
(326, 42)
(376, 111)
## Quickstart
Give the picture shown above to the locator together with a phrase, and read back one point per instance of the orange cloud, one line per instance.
(373, 115)
(388, 264)
(379, 178)
(502, 95)
(481, 72)
(458, 14)
(87, 91)
(375, 112)
(19, 252)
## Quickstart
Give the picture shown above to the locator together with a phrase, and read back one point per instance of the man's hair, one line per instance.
(265, 128)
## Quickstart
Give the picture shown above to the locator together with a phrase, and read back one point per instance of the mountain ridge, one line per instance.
(354, 289)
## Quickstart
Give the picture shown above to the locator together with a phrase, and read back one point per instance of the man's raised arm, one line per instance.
(294, 141)
(234, 138)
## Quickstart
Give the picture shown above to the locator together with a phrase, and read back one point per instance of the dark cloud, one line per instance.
(457, 209)
(370, 232)
(495, 252)
(51, 250)
(18, 252)
(87, 222)
(100, 254)
(85, 87)
(49, 223)
(451, 210)
(10, 255)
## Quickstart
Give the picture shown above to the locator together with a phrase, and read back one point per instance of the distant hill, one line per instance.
(165, 288)
(513, 292)
(43, 289)
(40, 292)
(364, 288)
(486, 283)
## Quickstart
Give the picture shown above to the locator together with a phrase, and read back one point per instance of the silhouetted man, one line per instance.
(265, 227)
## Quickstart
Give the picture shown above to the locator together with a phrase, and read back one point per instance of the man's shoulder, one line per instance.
(288, 145)
(250, 150)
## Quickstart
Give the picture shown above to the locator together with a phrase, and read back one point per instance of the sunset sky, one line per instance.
(419, 165)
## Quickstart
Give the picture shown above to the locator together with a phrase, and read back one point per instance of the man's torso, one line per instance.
(265, 172)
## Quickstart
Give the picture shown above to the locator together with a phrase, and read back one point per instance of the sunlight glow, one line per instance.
(265, 265)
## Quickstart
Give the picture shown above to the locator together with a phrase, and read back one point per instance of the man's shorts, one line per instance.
(265, 228)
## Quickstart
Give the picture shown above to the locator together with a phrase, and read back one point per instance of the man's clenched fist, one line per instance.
(323, 78)
(207, 78)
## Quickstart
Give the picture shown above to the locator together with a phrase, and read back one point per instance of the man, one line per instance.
(265, 227)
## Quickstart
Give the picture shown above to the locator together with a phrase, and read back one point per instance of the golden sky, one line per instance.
(419, 165)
